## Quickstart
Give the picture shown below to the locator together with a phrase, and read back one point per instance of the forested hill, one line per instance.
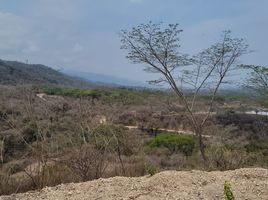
(14, 73)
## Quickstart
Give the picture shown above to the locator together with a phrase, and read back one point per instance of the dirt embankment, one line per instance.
(247, 184)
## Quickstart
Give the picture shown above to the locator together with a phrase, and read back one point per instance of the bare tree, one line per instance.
(258, 79)
(158, 48)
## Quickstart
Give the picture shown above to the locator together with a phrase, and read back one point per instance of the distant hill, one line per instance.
(105, 80)
(14, 73)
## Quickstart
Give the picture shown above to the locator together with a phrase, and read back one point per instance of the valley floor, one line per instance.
(251, 183)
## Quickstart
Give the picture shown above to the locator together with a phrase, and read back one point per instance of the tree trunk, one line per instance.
(201, 145)
(2, 147)
(121, 161)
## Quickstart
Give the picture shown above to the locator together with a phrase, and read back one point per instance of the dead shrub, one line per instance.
(10, 184)
(220, 157)
(174, 161)
(134, 166)
(56, 174)
(87, 162)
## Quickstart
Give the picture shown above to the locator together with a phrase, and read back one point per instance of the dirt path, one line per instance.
(247, 184)
(172, 130)
(41, 96)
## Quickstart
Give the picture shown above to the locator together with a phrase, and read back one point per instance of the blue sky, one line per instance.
(82, 35)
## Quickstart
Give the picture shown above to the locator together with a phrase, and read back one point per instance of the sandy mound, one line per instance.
(246, 184)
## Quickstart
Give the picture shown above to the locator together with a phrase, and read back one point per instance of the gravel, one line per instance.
(247, 184)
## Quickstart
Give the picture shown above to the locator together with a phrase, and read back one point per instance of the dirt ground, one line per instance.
(247, 184)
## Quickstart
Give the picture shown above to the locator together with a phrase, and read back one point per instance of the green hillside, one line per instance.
(15, 73)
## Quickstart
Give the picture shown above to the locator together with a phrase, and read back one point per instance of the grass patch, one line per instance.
(73, 92)
(124, 95)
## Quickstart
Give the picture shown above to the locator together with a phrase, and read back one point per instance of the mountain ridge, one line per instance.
(15, 73)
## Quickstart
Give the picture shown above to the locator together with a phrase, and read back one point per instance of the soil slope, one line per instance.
(246, 184)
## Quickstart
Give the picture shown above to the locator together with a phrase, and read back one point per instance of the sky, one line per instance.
(83, 35)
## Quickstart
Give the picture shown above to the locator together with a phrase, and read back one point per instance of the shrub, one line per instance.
(257, 147)
(72, 92)
(10, 184)
(14, 166)
(115, 138)
(222, 157)
(134, 166)
(174, 142)
(228, 194)
(30, 133)
(3, 115)
(54, 174)
(87, 163)
(150, 169)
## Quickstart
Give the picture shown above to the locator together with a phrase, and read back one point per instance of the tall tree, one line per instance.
(158, 47)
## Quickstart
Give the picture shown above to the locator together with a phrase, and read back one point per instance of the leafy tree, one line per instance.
(174, 142)
(158, 47)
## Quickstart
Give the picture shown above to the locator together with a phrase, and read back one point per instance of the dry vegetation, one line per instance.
(72, 135)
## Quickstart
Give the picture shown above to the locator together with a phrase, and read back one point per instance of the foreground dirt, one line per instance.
(247, 184)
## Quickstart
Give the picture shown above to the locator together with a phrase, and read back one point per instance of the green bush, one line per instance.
(150, 169)
(228, 194)
(174, 142)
